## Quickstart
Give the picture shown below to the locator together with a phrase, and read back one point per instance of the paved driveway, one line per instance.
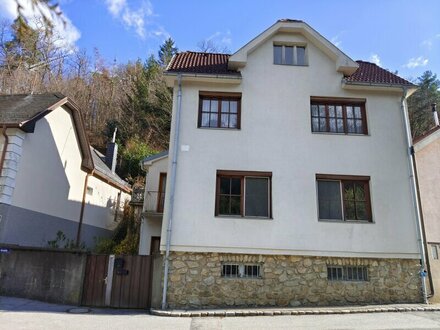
(18, 313)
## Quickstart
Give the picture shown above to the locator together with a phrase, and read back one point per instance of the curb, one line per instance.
(265, 312)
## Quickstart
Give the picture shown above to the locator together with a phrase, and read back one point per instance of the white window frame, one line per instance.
(295, 54)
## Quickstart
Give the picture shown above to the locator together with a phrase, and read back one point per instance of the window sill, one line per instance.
(340, 134)
(220, 128)
(241, 218)
(300, 65)
(347, 221)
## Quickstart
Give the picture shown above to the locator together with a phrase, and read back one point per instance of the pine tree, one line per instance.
(419, 104)
(166, 52)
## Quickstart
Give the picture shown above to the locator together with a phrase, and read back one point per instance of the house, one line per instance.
(288, 181)
(427, 159)
(51, 179)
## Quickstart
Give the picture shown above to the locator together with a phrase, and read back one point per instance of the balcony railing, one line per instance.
(154, 202)
(137, 196)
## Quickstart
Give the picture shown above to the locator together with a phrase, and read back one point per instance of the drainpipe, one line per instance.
(83, 205)
(171, 190)
(5, 147)
(414, 194)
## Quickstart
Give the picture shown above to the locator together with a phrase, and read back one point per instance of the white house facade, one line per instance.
(51, 179)
(288, 180)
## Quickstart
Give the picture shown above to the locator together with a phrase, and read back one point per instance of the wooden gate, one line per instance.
(128, 286)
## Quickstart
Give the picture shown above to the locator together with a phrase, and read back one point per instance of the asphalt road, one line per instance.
(23, 314)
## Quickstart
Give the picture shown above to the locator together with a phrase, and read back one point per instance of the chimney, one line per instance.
(435, 114)
(111, 154)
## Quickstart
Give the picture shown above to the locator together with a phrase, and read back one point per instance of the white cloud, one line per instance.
(416, 62)
(336, 41)
(427, 43)
(375, 59)
(62, 26)
(222, 39)
(137, 19)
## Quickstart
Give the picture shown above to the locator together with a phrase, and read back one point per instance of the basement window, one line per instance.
(347, 273)
(241, 271)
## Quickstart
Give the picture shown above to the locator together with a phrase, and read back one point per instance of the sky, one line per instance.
(399, 35)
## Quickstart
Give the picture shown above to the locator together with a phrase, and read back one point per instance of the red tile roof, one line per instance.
(372, 73)
(213, 63)
(204, 63)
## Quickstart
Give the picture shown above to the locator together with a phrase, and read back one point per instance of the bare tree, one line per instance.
(210, 46)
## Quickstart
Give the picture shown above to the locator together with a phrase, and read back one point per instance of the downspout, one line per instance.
(428, 265)
(171, 190)
(414, 195)
(5, 147)
(83, 205)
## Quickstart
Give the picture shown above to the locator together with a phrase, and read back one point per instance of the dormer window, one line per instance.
(289, 55)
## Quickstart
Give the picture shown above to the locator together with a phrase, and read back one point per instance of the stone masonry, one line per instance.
(195, 281)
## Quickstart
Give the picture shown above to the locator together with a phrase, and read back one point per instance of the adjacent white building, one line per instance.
(51, 179)
(291, 184)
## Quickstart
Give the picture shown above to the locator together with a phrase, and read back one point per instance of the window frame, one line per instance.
(344, 102)
(161, 190)
(242, 175)
(295, 53)
(241, 270)
(344, 273)
(341, 179)
(219, 96)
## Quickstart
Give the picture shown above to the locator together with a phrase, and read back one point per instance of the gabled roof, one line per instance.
(148, 161)
(343, 63)
(24, 110)
(372, 73)
(197, 62)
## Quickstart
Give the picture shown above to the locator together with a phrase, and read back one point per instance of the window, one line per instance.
(289, 55)
(343, 198)
(161, 192)
(219, 110)
(434, 251)
(241, 270)
(245, 194)
(347, 273)
(338, 116)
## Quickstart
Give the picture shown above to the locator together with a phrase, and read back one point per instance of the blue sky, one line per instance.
(398, 35)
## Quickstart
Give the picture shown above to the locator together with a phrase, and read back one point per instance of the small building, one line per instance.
(52, 181)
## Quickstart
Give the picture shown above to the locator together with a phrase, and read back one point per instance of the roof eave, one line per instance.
(379, 86)
(171, 77)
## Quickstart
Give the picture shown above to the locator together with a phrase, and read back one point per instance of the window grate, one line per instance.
(347, 273)
(241, 271)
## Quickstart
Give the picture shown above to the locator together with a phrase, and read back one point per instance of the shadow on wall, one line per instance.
(48, 195)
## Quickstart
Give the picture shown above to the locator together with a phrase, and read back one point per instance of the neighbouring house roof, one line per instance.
(426, 138)
(24, 110)
(213, 63)
(102, 168)
(374, 74)
(153, 158)
(199, 62)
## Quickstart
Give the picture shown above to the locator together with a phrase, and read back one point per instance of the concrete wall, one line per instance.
(427, 161)
(51, 276)
(24, 227)
(101, 206)
(428, 175)
(276, 136)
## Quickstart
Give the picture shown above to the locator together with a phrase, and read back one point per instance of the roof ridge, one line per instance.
(203, 53)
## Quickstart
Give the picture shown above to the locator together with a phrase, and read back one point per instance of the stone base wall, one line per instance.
(195, 281)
